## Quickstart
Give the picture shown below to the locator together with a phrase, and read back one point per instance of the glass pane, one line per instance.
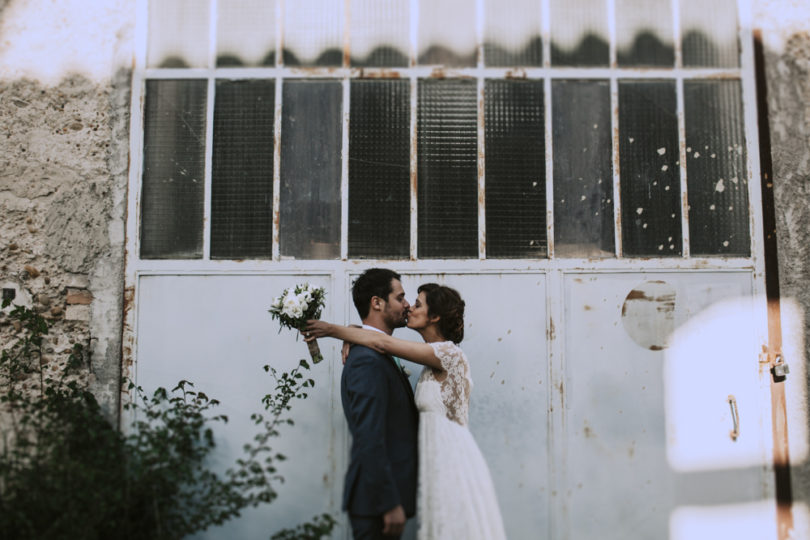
(583, 171)
(715, 168)
(709, 33)
(242, 170)
(512, 33)
(579, 33)
(380, 33)
(173, 169)
(313, 33)
(178, 34)
(447, 33)
(515, 169)
(246, 33)
(447, 151)
(644, 33)
(311, 140)
(379, 169)
(648, 164)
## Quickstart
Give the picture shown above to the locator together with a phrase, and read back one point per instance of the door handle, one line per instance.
(735, 418)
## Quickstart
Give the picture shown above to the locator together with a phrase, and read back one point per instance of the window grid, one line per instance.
(480, 73)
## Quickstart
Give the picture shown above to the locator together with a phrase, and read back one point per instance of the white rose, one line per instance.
(303, 300)
(291, 306)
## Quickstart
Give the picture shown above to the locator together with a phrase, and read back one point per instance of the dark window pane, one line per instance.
(515, 169)
(173, 169)
(311, 140)
(242, 172)
(512, 33)
(583, 171)
(710, 33)
(579, 33)
(644, 33)
(379, 169)
(648, 156)
(448, 169)
(715, 168)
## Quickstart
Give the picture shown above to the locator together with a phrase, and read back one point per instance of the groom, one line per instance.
(380, 486)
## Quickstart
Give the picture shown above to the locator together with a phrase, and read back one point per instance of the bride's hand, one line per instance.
(316, 329)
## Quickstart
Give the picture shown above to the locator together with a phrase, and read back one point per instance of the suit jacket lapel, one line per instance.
(402, 376)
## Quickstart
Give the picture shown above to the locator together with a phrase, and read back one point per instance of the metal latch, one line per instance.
(780, 369)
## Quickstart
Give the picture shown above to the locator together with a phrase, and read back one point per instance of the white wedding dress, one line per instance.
(456, 498)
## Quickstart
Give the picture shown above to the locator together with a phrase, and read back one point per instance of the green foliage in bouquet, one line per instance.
(66, 472)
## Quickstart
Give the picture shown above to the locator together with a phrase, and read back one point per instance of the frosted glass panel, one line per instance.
(379, 33)
(648, 164)
(173, 169)
(246, 33)
(313, 33)
(311, 141)
(447, 33)
(644, 33)
(379, 169)
(709, 31)
(579, 33)
(178, 33)
(447, 132)
(583, 172)
(512, 33)
(515, 169)
(242, 177)
(715, 168)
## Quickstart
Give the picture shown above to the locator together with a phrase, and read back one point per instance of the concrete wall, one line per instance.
(64, 108)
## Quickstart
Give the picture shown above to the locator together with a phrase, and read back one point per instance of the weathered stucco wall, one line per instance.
(785, 27)
(64, 109)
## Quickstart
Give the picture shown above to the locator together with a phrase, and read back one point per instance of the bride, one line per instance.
(456, 498)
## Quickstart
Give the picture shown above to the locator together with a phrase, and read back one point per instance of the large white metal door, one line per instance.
(628, 404)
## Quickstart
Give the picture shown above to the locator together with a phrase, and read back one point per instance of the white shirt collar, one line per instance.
(369, 327)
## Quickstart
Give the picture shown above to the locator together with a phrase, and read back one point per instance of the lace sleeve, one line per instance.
(457, 385)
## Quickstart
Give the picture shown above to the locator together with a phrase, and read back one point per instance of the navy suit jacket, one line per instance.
(379, 407)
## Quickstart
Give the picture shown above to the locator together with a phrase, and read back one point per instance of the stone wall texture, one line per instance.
(63, 175)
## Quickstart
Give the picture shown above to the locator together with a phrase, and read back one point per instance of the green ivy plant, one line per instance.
(67, 473)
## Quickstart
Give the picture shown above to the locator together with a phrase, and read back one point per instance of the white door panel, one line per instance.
(216, 332)
(650, 361)
(505, 342)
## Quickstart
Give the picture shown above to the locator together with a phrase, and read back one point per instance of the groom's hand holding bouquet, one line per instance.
(295, 306)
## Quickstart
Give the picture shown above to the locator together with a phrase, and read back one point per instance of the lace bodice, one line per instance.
(451, 396)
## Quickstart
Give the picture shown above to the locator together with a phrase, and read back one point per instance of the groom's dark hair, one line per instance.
(372, 282)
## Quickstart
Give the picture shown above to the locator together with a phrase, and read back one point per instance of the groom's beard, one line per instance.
(397, 322)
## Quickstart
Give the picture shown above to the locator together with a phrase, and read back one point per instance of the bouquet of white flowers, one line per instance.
(295, 306)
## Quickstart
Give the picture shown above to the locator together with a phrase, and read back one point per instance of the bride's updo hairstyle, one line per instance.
(447, 304)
